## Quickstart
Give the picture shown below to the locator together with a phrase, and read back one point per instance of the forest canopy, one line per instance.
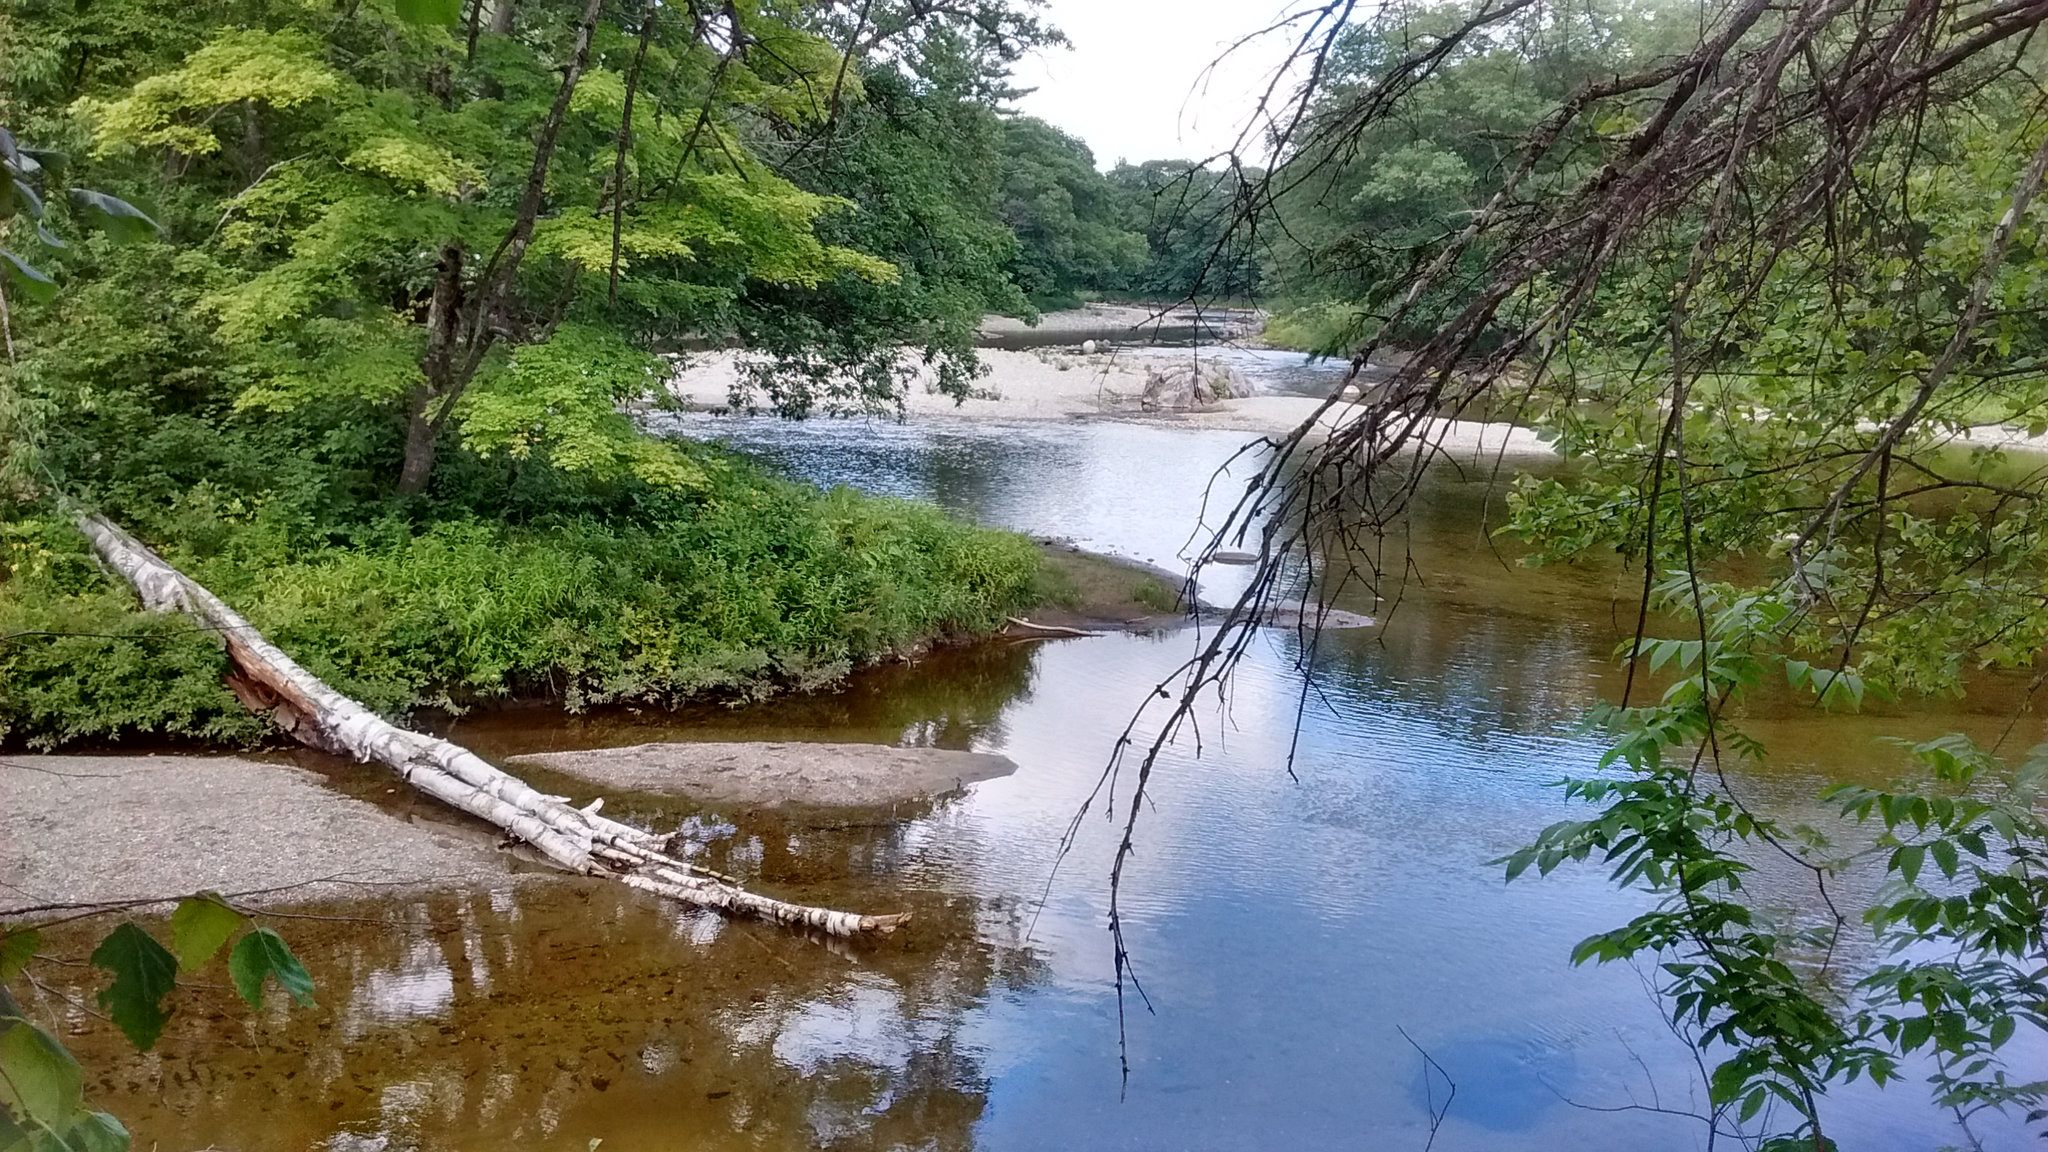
(368, 295)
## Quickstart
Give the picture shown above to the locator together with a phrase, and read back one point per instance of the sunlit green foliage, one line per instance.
(364, 166)
(334, 188)
(351, 201)
(747, 585)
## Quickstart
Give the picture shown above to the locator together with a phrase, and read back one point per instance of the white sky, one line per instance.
(1128, 84)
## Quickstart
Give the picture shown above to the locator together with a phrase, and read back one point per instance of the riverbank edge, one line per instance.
(1080, 590)
(138, 823)
(100, 828)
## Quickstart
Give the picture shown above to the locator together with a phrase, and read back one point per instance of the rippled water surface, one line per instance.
(1302, 939)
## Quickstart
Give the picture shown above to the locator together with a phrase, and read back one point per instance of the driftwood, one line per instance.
(579, 839)
(1044, 630)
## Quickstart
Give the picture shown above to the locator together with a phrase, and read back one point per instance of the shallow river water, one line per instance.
(1302, 940)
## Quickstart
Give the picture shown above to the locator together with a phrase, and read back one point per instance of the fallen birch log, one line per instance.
(267, 680)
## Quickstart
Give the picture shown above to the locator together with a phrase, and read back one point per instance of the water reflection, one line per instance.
(1293, 934)
(1130, 490)
(952, 698)
(550, 1015)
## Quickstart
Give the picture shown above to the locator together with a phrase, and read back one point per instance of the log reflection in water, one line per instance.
(551, 1012)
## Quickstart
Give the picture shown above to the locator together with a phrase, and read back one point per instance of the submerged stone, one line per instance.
(770, 774)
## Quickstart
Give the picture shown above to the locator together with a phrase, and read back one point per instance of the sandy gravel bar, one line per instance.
(107, 828)
(1060, 386)
(768, 774)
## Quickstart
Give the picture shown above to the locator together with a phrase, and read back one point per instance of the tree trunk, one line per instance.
(619, 163)
(501, 25)
(314, 714)
(430, 404)
(6, 320)
(253, 148)
(421, 434)
(461, 326)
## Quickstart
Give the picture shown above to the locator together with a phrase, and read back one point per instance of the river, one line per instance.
(1327, 959)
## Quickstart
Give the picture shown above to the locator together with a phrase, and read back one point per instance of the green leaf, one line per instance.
(263, 953)
(15, 950)
(200, 926)
(144, 973)
(442, 12)
(40, 1083)
(1944, 852)
(1907, 859)
(2002, 823)
(2001, 1031)
(1752, 1104)
(123, 222)
(26, 278)
(97, 1132)
(1916, 1032)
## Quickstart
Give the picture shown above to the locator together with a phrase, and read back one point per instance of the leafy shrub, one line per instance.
(752, 584)
(1324, 328)
(78, 662)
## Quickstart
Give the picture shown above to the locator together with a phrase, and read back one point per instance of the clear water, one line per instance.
(1303, 940)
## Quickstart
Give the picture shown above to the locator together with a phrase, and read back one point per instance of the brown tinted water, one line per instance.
(1301, 940)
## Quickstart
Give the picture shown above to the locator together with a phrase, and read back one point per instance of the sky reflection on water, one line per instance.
(1302, 941)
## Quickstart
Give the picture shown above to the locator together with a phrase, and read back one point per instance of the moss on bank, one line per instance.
(750, 585)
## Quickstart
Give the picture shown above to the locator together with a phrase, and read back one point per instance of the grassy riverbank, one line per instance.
(743, 586)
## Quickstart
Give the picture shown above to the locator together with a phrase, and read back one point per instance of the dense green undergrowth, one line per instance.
(748, 585)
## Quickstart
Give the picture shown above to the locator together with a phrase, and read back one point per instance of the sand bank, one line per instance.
(114, 828)
(1045, 384)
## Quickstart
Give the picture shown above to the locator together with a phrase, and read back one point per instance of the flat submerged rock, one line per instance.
(772, 774)
(1327, 619)
(107, 828)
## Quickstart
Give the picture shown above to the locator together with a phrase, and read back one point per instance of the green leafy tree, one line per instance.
(414, 211)
(1356, 214)
(921, 156)
(1187, 212)
(241, 394)
(1070, 228)
(384, 209)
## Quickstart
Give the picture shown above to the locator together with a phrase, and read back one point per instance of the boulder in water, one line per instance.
(1192, 386)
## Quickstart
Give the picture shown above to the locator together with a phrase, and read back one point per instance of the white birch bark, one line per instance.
(315, 714)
